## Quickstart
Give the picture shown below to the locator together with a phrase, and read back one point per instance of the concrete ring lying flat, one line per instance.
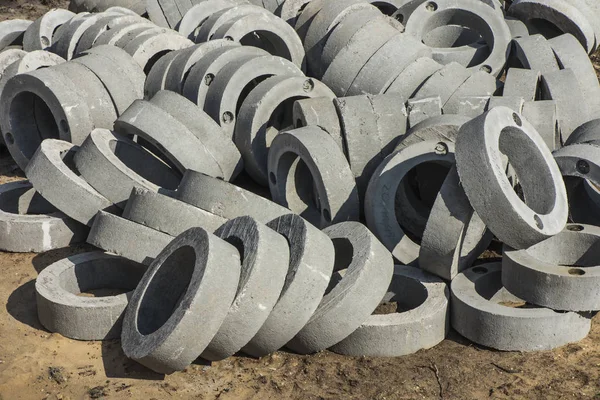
(560, 273)
(483, 311)
(51, 176)
(61, 310)
(300, 178)
(126, 238)
(265, 257)
(167, 214)
(421, 321)
(29, 224)
(380, 200)
(114, 165)
(310, 268)
(351, 300)
(181, 301)
(483, 144)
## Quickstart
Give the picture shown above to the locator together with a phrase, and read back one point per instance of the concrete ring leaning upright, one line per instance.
(482, 146)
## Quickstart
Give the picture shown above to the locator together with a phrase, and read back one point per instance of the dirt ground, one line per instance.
(36, 364)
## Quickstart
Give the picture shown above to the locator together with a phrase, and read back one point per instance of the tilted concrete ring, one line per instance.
(225, 199)
(560, 273)
(147, 49)
(61, 310)
(126, 238)
(309, 174)
(199, 13)
(319, 111)
(482, 146)
(534, 52)
(189, 286)
(39, 35)
(265, 257)
(264, 112)
(91, 34)
(312, 256)
(483, 311)
(167, 214)
(413, 76)
(12, 32)
(421, 321)
(353, 297)
(380, 199)
(290, 9)
(208, 28)
(29, 224)
(114, 165)
(51, 175)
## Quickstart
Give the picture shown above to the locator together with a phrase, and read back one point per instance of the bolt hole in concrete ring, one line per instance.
(576, 271)
(431, 6)
(208, 79)
(273, 178)
(575, 228)
(228, 117)
(538, 221)
(480, 270)
(486, 68)
(583, 167)
(308, 85)
(517, 119)
(9, 138)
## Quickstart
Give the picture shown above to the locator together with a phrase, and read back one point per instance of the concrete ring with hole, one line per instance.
(560, 273)
(38, 35)
(352, 296)
(268, 105)
(310, 268)
(476, 15)
(422, 323)
(301, 162)
(229, 87)
(118, 32)
(319, 111)
(92, 33)
(114, 165)
(199, 13)
(169, 135)
(61, 310)
(146, 49)
(203, 73)
(225, 199)
(167, 214)
(31, 61)
(535, 53)
(12, 32)
(30, 224)
(221, 17)
(482, 146)
(454, 236)
(126, 238)
(483, 311)
(181, 301)
(157, 76)
(50, 174)
(265, 257)
(68, 35)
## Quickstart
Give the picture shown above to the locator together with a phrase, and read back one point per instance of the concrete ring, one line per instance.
(92, 33)
(38, 35)
(61, 310)
(542, 114)
(148, 48)
(191, 284)
(413, 76)
(444, 83)
(118, 32)
(12, 32)
(353, 297)
(157, 77)
(319, 111)
(167, 214)
(266, 110)
(483, 311)
(586, 133)
(522, 83)
(155, 13)
(218, 18)
(480, 83)
(51, 176)
(29, 224)
(534, 52)
(226, 200)
(319, 197)
(421, 321)
(289, 10)
(68, 35)
(199, 13)
(482, 146)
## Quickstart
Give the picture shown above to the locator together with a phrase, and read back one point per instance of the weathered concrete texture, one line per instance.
(423, 108)
(51, 172)
(226, 200)
(472, 106)
(289, 10)
(476, 14)
(421, 320)
(31, 61)
(319, 111)
(265, 257)
(413, 77)
(312, 256)
(309, 174)
(444, 82)
(543, 116)
(371, 125)
(521, 82)
(561, 272)
(167, 214)
(229, 87)
(586, 133)
(28, 223)
(219, 18)
(455, 236)
(381, 202)
(456, 43)
(515, 103)
(199, 13)
(266, 111)
(39, 35)
(147, 49)
(61, 310)
(126, 238)
(68, 35)
(157, 77)
(486, 313)
(572, 16)
(12, 32)
(353, 297)
(92, 33)
(564, 88)
(534, 52)
(114, 165)
(481, 165)
(181, 302)
(579, 160)
(479, 84)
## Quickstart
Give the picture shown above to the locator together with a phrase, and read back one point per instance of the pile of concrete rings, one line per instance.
(307, 174)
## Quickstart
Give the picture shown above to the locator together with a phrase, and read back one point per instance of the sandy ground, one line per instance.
(36, 364)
